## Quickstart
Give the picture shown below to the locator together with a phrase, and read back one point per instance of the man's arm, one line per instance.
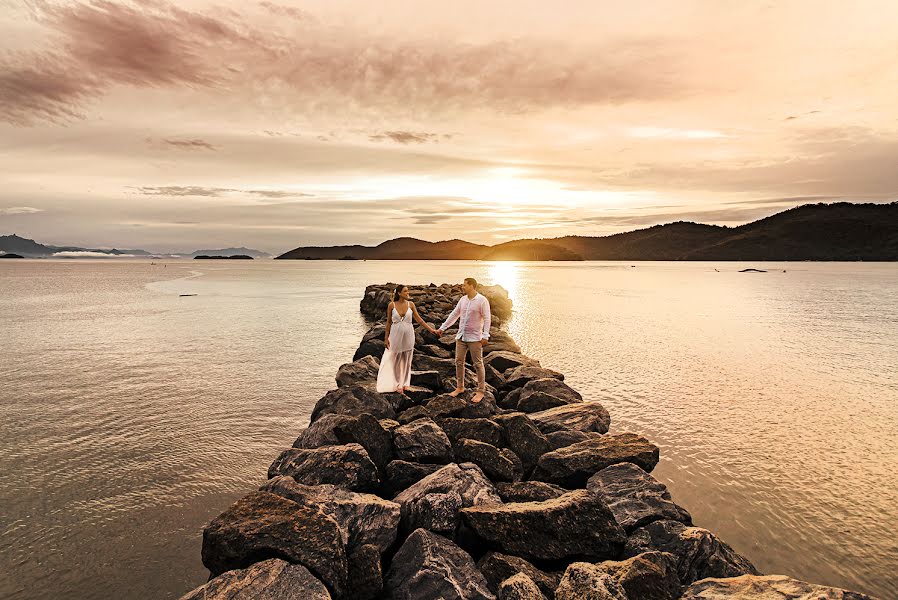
(453, 316)
(487, 318)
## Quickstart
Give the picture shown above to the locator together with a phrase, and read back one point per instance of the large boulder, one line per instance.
(499, 465)
(480, 429)
(354, 400)
(402, 474)
(649, 576)
(566, 437)
(502, 360)
(428, 379)
(498, 567)
(429, 566)
(698, 552)
(422, 440)
(767, 587)
(578, 523)
(262, 525)
(517, 377)
(365, 429)
(365, 574)
(519, 587)
(538, 401)
(501, 341)
(494, 377)
(362, 370)
(580, 416)
(552, 386)
(529, 491)
(635, 497)
(271, 579)
(521, 436)
(434, 502)
(363, 518)
(572, 465)
(346, 466)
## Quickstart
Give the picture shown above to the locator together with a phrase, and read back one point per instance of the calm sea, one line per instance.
(132, 416)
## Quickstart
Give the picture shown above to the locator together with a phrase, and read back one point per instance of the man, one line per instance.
(473, 332)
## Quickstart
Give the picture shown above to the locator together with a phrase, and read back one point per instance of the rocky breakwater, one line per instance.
(525, 495)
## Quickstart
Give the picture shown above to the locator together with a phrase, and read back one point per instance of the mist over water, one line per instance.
(132, 416)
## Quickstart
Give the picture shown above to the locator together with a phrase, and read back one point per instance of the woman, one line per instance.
(395, 372)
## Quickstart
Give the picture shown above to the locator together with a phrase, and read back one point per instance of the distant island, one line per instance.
(219, 257)
(14, 244)
(10, 255)
(841, 231)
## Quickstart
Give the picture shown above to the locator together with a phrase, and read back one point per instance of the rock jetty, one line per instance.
(524, 496)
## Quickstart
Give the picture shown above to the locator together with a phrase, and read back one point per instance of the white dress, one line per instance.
(396, 364)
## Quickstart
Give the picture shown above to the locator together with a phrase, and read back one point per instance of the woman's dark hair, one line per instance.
(396, 292)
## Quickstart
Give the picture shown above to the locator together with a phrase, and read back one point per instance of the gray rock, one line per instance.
(429, 566)
(480, 429)
(635, 497)
(499, 465)
(263, 525)
(271, 579)
(572, 465)
(501, 341)
(529, 491)
(551, 386)
(363, 518)
(413, 414)
(402, 474)
(354, 400)
(346, 466)
(502, 360)
(580, 416)
(362, 370)
(521, 436)
(768, 587)
(422, 441)
(436, 351)
(434, 502)
(649, 576)
(578, 523)
(510, 399)
(519, 376)
(428, 379)
(321, 432)
(498, 567)
(537, 401)
(445, 405)
(494, 377)
(365, 575)
(373, 347)
(566, 437)
(698, 552)
(519, 587)
(345, 429)
(416, 394)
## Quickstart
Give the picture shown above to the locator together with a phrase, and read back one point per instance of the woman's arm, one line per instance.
(389, 324)
(420, 320)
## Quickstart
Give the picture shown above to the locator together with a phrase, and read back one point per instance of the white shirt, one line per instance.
(475, 318)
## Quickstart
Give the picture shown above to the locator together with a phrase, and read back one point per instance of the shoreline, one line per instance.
(383, 490)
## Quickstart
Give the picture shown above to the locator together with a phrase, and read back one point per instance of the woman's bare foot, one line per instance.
(400, 390)
(477, 398)
(456, 392)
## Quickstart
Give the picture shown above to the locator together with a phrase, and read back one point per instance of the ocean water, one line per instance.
(132, 416)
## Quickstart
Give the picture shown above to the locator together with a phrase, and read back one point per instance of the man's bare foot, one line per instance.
(477, 398)
(456, 392)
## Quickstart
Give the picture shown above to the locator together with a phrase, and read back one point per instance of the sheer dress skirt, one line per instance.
(396, 363)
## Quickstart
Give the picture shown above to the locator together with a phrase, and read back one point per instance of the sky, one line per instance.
(268, 124)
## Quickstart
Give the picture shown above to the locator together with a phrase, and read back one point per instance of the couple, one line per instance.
(473, 309)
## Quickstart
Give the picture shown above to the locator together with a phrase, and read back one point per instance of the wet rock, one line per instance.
(402, 474)
(578, 523)
(537, 401)
(498, 567)
(768, 587)
(498, 465)
(566, 437)
(502, 360)
(428, 379)
(529, 491)
(346, 466)
(572, 465)
(429, 566)
(635, 497)
(480, 429)
(518, 377)
(354, 400)
(698, 552)
(365, 429)
(363, 518)
(362, 370)
(521, 436)
(519, 587)
(271, 579)
(365, 575)
(649, 576)
(581, 416)
(434, 502)
(262, 525)
(422, 441)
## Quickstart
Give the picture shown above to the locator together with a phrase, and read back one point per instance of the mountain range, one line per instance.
(14, 244)
(840, 231)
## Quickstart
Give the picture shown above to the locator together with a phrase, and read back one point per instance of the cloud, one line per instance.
(20, 210)
(405, 137)
(214, 192)
(194, 144)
